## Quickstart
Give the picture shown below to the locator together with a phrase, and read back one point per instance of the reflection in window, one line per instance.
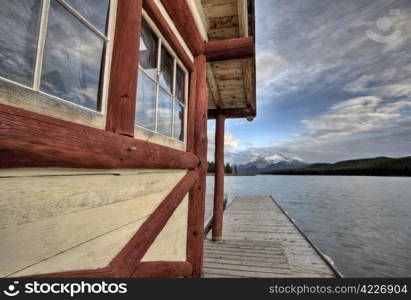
(165, 113)
(19, 28)
(166, 70)
(72, 59)
(71, 45)
(178, 121)
(94, 11)
(162, 87)
(146, 104)
(180, 84)
(148, 50)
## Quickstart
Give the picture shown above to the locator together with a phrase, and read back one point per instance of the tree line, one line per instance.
(228, 168)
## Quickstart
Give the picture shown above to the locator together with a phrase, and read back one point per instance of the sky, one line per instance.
(333, 82)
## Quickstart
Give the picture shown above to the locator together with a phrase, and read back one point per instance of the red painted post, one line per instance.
(219, 179)
(196, 206)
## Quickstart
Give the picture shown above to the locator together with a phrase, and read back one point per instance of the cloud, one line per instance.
(314, 44)
(355, 116)
(232, 145)
(358, 127)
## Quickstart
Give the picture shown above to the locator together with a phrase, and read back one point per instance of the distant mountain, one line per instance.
(270, 163)
(378, 166)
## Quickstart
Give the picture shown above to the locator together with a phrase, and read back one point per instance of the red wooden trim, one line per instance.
(29, 139)
(231, 113)
(163, 269)
(151, 8)
(182, 17)
(195, 230)
(237, 48)
(218, 206)
(191, 111)
(126, 262)
(124, 68)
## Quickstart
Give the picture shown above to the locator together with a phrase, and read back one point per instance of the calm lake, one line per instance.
(362, 223)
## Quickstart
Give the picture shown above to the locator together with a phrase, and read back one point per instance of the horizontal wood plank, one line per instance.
(260, 241)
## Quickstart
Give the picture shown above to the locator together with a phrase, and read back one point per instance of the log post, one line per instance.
(121, 106)
(196, 206)
(219, 179)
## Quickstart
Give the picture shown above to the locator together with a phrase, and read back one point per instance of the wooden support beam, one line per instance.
(124, 68)
(192, 101)
(126, 262)
(218, 207)
(237, 48)
(29, 139)
(232, 113)
(182, 17)
(243, 17)
(213, 86)
(249, 82)
(196, 206)
(163, 269)
(155, 14)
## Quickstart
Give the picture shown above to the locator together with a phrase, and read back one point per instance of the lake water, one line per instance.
(362, 223)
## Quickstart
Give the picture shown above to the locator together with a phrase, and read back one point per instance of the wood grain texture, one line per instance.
(192, 101)
(28, 139)
(182, 17)
(218, 207)
(127, 260)
(232, 113)
(195, 231)
(153, 11)
(236, 48)
(171, 243)
(57, 223)
(123, 79)
(163, 269)
(214, 91)
(260, 241)
(31, 199)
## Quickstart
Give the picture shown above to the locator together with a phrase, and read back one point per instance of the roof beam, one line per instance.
(233, 113)
(182, 17)
(237, 48)
(243, 17)
(212, 84)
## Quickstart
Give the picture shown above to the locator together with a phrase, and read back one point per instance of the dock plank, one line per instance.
(259, 240)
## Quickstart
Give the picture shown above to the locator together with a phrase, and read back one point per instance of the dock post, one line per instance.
(219, 179)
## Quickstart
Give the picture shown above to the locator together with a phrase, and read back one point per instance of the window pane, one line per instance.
(178, 121)
(148, 49)
(72, 59)
(166, 70)
(95, 11)
(180, 84)
(19, 26)
(146, 102)
(165, 113)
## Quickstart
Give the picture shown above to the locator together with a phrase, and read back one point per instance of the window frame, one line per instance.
(107, 53)
(162, 42)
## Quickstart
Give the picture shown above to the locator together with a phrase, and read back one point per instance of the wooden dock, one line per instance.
(260, 240)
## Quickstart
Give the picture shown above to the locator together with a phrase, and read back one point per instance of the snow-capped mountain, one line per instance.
(270, 163)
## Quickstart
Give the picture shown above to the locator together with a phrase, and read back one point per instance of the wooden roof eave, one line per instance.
(237, 51)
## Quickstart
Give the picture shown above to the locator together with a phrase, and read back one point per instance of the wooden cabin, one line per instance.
(103, 131)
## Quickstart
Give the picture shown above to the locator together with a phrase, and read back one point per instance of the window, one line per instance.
(56, 47)
(162, 87)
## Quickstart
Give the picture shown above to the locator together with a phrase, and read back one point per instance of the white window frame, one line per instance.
(162, 42)
(107, 38)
